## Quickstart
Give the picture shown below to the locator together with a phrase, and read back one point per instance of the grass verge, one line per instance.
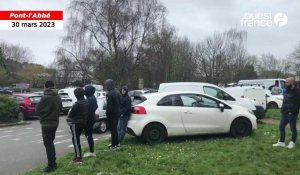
(274, 114)
(217, 154)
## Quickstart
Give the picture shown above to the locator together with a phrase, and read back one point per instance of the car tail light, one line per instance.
(27, 102)
(139, 110)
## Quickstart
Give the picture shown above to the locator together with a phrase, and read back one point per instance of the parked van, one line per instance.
(214, 91)
(265, 83)
(254, 93)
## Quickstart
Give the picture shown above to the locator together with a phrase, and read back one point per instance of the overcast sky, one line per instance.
(195, 19)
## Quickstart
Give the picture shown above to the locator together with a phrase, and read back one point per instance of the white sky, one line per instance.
(195, 19)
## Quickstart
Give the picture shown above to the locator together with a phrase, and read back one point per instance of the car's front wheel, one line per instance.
(241, 127)
(154, 133)
(272, 105)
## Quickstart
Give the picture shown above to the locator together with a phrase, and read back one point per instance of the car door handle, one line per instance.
(187, 112)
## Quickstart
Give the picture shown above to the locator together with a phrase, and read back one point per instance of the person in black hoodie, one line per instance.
(113, 110)
(49, 109)
(125, 114)
(289, 113)
(89, 93)
(77, 119)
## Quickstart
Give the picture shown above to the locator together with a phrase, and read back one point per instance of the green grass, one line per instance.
(273, 113)
(217, 154)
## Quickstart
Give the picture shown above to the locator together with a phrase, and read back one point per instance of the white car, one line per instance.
(66, 102)
(162, 115)
(273, 101)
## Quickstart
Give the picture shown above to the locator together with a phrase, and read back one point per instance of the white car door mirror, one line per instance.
(221, 106)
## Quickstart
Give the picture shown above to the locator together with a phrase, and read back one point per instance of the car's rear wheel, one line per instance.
(102, 127)
(241, 127)
(272, 105)
(154, 133)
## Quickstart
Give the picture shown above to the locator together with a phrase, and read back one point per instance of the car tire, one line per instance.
(241, 127)
(154, 133)
(102, 127)
(21, 116)
(272, 105)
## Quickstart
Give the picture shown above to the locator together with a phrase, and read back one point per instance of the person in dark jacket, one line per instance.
(89, 92)
(77, 119)
(289, 113)
(49, 109)
(113, 110)
(125, 114)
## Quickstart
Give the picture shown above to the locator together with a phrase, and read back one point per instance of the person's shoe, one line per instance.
(279, 144)
(291, 145)
(89, 154)
(48, 169)
(77, 160)
(113, 148)
(119, 146)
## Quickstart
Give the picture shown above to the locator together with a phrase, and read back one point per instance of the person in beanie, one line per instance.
(125, 114)
(289, 113)
(89, 93)
(49, 109)
(77, 119)
(113, 110)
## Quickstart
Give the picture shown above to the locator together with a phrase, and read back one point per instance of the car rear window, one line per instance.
(35, 99)
(64, 95)
(138, 99)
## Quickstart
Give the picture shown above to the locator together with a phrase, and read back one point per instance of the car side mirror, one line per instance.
(221, 106)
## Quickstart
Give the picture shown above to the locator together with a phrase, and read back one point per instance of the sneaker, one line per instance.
(48, 169)
(113, 148)
(291, 145)
(77, 160)
(89, 154)
(119, 145)
(279, 144)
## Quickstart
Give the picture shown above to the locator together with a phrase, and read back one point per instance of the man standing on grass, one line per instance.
(289, 113)
(49, 109)
(113, 111)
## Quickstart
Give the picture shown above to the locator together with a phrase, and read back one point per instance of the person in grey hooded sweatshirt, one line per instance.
(113, 111)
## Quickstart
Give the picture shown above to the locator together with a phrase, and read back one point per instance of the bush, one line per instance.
(9, 109)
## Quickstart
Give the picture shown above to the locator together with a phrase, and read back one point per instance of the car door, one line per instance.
(169, 109)
(201, 114)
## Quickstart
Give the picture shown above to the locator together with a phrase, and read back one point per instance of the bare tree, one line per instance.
(119, 28)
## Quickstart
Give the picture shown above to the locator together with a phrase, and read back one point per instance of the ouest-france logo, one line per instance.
(264, 19)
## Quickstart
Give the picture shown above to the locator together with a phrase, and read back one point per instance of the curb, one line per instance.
(14, 124)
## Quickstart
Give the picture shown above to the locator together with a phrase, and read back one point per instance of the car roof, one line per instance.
(27, 95)
(163, 94)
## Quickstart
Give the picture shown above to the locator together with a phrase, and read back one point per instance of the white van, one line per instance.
(266, 83)
(214, 91)
(254, 93)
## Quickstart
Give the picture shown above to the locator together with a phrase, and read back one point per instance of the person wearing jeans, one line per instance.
(125, 114)
(289, 113)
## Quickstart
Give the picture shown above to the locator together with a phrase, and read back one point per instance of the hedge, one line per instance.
(9, 109)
